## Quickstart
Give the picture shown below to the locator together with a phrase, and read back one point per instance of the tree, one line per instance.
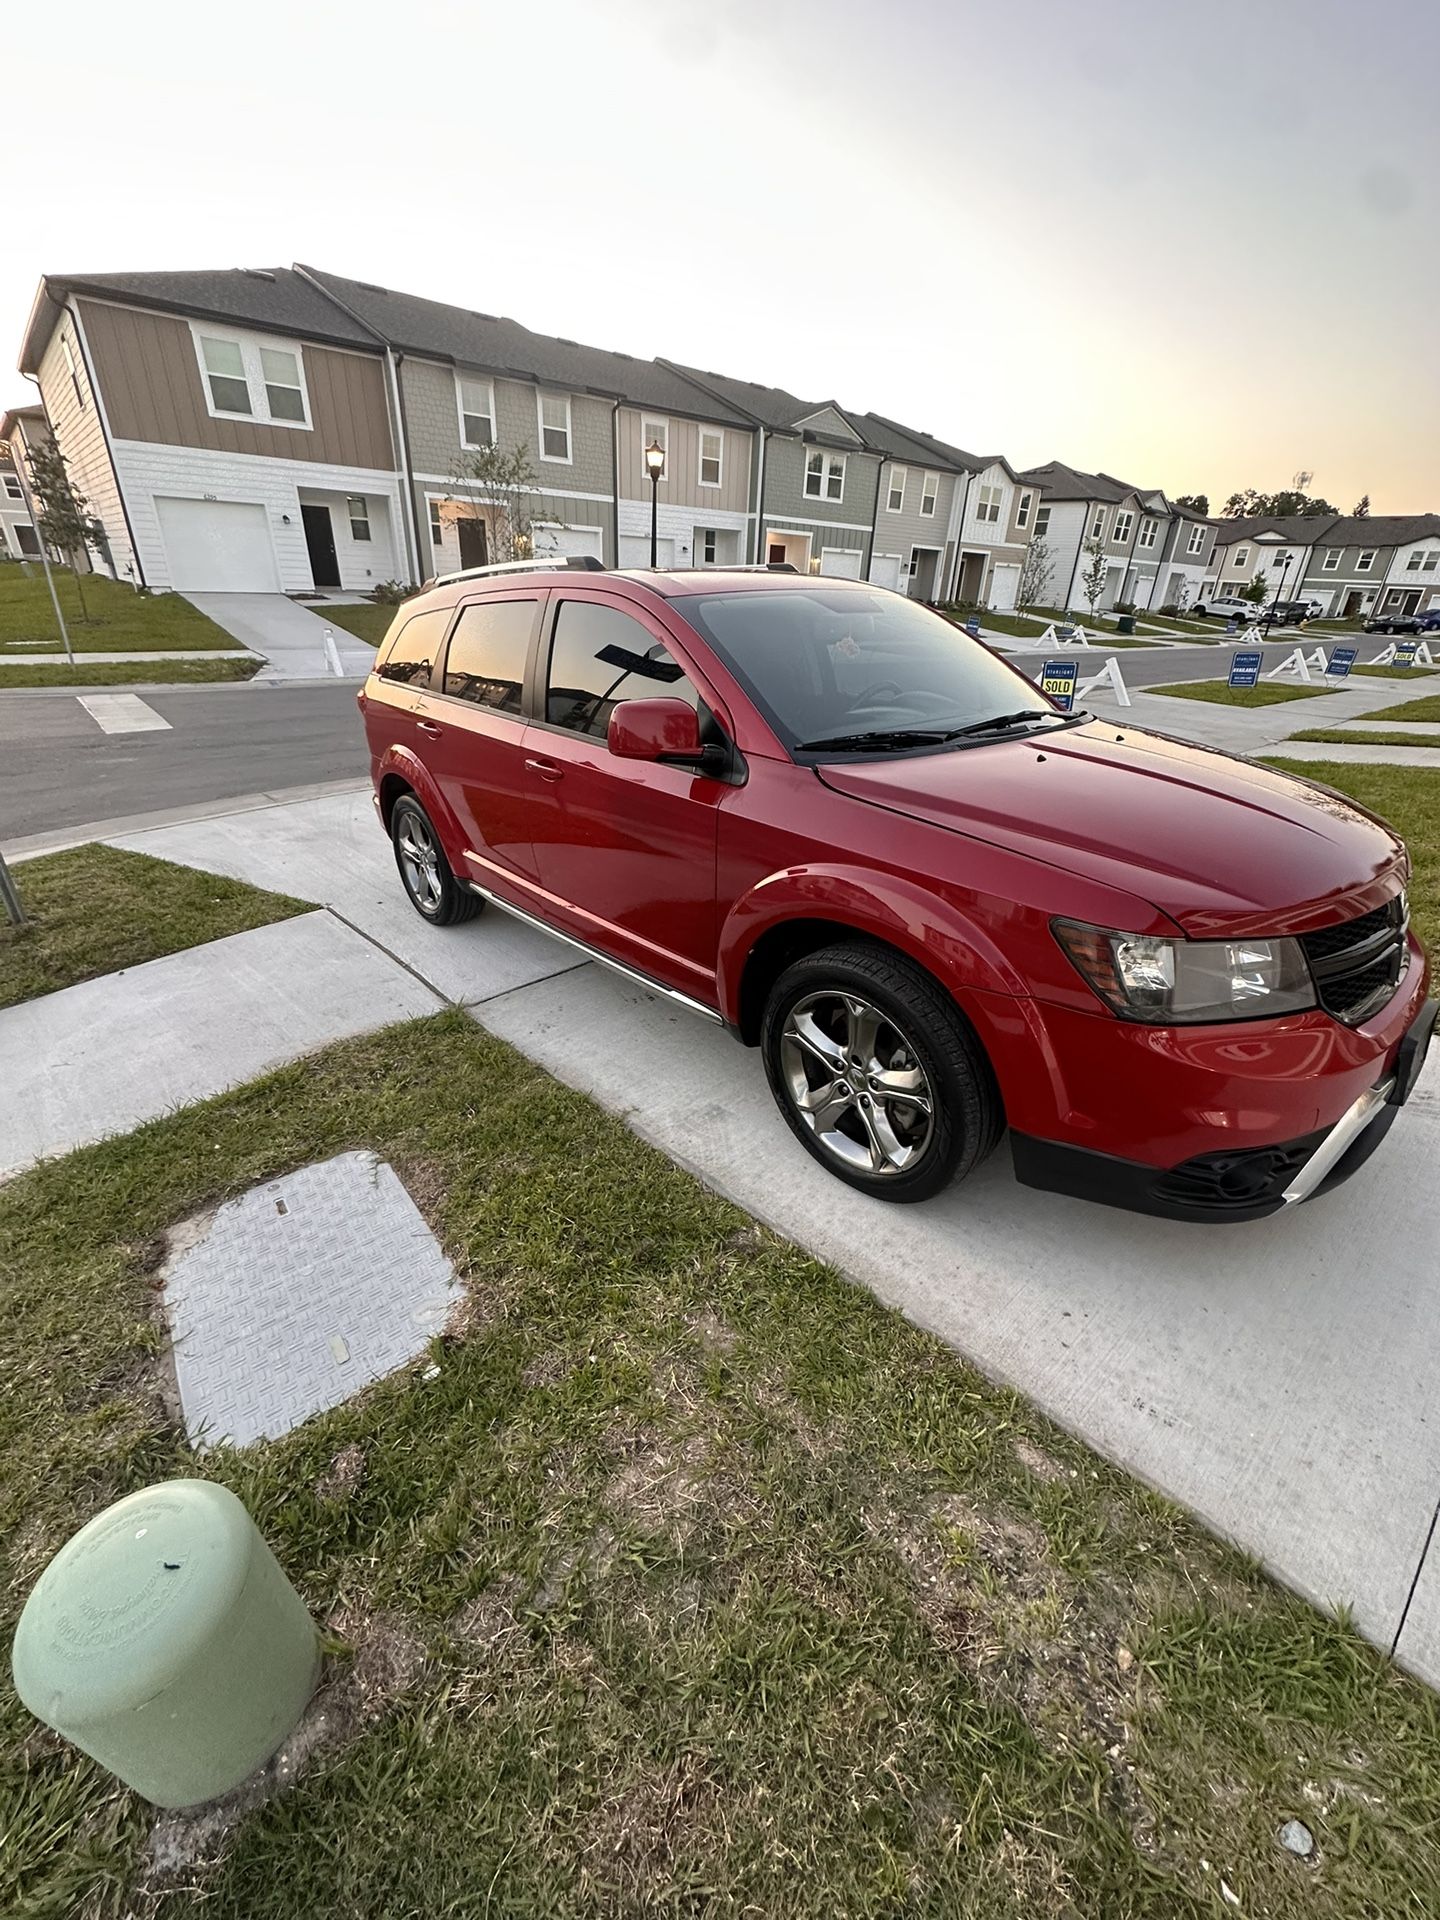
(63, 518)
(1361, 508)
(1194, 502)
(1257, 589)
(1036, 572)
(500, 486)
(1291, 503)
(1092, 581)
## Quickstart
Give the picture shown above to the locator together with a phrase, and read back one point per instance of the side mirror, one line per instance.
(655, 730)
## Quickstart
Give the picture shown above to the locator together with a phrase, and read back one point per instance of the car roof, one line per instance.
(667, 585)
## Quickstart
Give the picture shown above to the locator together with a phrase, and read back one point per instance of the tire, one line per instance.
(909, 1036)
(430, 886)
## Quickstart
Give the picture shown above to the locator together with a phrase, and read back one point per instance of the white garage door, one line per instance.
(885, 570)
(1003, 584)
(635, 550)
(218, 546)
(842, 561)
(568, 540)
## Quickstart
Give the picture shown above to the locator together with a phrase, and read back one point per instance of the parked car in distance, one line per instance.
(1226, 608)
(1394, 623)
(819, 814)
(1289, 613)
(1430, 622)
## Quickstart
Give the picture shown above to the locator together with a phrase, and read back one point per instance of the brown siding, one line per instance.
(149, 375)
(681, 484)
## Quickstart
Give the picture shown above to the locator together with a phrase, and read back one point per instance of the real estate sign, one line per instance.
(1405, 653)
(1340, 662)
(1058, 678)
(1245, 669)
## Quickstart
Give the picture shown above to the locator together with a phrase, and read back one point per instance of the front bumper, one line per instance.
(1247, 1183)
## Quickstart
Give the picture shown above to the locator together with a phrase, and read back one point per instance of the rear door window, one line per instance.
(411, 652)
(599, 657)
(485, 661)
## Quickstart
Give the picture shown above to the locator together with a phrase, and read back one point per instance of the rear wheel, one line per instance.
(877, 1074)
(424, 871)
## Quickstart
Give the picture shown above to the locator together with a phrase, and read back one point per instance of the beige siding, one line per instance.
(150, 377)
(681, 484)
(1015, 533)
(81, 437)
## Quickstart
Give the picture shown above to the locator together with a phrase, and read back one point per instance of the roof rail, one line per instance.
(560, 563)
(756, 566)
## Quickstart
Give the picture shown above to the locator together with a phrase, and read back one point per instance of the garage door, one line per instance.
(569, 540)
(885, 570)
(1003, 584)
(218, 546)
(635, 551)
(842, 561)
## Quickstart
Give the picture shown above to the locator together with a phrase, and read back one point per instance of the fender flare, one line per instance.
(898, 912)
(401, 763)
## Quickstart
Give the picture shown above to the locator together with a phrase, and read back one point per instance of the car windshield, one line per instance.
(837, 665)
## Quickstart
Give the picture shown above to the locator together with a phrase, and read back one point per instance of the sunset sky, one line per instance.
(1199, 248)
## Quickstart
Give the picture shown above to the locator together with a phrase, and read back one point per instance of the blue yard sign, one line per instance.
(1245, 669)
(1058, 679)
(1340, 662)
(1405, 653)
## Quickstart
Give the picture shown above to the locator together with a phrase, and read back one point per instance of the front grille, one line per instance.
(1358, 964)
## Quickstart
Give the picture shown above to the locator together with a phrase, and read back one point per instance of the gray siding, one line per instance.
(432, 420)
(1347, 569)
(681, 484)
(785, 485)
(899, 532)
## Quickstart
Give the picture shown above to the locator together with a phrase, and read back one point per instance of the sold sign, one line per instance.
(1058, 678)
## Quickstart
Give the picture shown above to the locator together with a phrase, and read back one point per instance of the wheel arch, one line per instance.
(401, 772)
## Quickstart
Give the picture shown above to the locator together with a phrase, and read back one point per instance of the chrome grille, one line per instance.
(1357, 964)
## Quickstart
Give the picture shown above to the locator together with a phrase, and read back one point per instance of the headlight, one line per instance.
(1142, 976)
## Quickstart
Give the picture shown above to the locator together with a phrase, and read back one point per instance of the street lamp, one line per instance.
(1279, 595)
(655, 467)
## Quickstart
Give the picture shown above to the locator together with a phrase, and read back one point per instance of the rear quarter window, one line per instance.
(409, 651)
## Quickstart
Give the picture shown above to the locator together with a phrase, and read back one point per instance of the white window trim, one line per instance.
(648, 423)
(364, 517)
(1331, 562)
(1240, 557)
(461, 409)
(1122, 532)
(1097, 524)
(1039, 532)
(1150, 528)
(566, 459)
(987, 505)
(250, 345)
(1412, 565)
(931, 480)
(902, 474)
(1365, 561)
(716, 433)
(1022, 511)
(824, 495)
(1197, 540)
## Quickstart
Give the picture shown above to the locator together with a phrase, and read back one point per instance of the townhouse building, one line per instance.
(20, 429)
(919, 501)
(1279, 548)
(1360, 566)
(1186, 547)
(991, 524)
(1412, 580)
(1136, 531)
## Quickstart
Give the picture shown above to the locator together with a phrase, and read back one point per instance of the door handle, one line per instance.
(430, 727)
(546, 769)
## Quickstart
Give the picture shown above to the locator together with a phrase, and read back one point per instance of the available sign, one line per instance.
(1058, 678)
(1340, 662)
(1245, 669)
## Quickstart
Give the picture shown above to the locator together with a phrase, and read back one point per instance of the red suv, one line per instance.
(940, 906)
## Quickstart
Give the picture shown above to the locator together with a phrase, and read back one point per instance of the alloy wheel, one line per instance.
(857, 1083)
(420, 862)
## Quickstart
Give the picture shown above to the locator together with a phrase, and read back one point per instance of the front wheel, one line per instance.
(425, 873)
(877, 1073)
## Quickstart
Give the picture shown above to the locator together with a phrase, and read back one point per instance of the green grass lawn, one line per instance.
(1269, 693)
(120, 620)
(1023, 628)
(690, 1581)
(1409, 798)
(95, 909)
(1193, 629)
(123, 673)
(366, 621)
(1356, 738)
(1418, 676)
(1422, 709)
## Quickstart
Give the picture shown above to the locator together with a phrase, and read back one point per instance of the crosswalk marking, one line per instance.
(122, 713)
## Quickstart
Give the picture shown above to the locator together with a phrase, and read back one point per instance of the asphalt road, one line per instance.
(59, 770)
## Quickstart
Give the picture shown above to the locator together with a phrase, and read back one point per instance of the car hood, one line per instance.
(1220, 845)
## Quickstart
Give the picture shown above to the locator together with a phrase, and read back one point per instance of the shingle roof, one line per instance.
(1382, 529)
(1301, 529)
(497, 345)
(768, 406)
(1073, 483)
(939, 453)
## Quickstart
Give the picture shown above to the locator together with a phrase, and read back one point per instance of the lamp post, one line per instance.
(1279, 595)
(655, 467)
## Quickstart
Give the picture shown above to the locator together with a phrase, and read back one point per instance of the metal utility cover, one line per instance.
(297, 1294)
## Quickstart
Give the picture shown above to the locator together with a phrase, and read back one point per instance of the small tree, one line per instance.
(1182, 594)
(1036, 572)
(500, 486)
(1361, 508)
(1092, 581)
(1257, 590)
(62, 514)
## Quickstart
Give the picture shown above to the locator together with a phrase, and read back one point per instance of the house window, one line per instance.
(1432, 560)
(895, 499)
(1282, 560)
(1123, 524)
(654, 432)
(1240, 558)
(1022, 512)
(555, 427)
(225, 371)
(987, 504)
(1147, 532)
(72, 371)
(1331, 562)
(12, 487)
(1097, 525)
(247, 380)
(928, 494)
(359, 517)
(708, 546)
(1042, 522)
(712, 451)
(825, 476)
(477, 412)
(1366, 561)
(437, 531)
(1412, 565)
(1197, 539)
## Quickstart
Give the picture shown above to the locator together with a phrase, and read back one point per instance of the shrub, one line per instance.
(390, 593)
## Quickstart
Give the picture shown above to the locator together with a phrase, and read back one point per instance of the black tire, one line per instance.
(430, 886)
(938, 1055)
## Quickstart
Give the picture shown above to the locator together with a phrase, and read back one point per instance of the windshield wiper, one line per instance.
(882, 737)
(1006, 720)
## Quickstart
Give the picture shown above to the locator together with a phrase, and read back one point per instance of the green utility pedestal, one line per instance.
(166, 1642)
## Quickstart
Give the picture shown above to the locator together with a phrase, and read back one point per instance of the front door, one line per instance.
(626, 848)
(473, 544)
(320, 539)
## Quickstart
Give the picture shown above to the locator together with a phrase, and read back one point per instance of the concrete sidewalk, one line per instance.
(291, 638)
(1277, 1378)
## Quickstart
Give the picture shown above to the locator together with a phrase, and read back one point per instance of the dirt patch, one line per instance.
(642, 1829)
(1035, 1460)
(715, 1335)
(774, 1396)
(661, 1483)
(344, 1474)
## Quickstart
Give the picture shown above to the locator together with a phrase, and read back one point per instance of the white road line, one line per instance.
(122, 713)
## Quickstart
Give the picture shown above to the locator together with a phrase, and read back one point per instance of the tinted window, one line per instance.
(486, 658)
(600, 657)
(823, 661)
(410, 654)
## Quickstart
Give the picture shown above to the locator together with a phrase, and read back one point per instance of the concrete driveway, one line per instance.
(1278, 1378)
(292, 639)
